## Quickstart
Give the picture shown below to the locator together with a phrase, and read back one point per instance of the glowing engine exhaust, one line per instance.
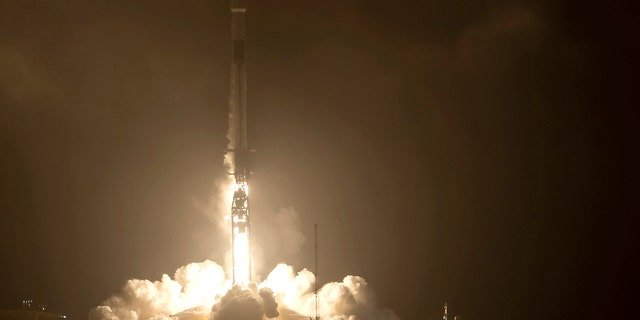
(240, 235)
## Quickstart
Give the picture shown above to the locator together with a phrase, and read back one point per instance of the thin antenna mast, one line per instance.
(315, 234)
(445, 316)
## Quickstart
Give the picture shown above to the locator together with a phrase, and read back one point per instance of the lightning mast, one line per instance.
(445, 315)
(240, 219)
(315, 288)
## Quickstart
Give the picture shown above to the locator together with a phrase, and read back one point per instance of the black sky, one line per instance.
(474, 152)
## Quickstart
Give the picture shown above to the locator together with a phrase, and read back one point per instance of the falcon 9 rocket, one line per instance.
(240, 218)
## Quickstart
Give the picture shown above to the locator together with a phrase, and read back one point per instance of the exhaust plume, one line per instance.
(203, 291)
(238, 304)
(196, 285)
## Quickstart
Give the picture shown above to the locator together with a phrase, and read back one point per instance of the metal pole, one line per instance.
(315, 233)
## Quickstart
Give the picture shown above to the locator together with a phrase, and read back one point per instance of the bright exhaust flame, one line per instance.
(241, 265)
(240, 226)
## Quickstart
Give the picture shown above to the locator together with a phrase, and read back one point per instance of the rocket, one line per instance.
(240, 218)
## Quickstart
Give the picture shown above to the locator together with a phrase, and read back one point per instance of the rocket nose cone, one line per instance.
(238, 4)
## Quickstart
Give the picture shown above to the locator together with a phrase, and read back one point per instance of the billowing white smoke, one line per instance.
(201, 291)
(197, 285)
(349, 299)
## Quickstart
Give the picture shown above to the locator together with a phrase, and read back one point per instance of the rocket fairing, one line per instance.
(240, 219)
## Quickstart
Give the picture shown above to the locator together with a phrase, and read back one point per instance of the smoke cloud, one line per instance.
(202, 291)
(290, 238)
(279, 233)
(238, 304)
(242, 303)
(269, 304)
(197, 285)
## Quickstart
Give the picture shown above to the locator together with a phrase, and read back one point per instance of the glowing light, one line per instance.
(241, 257)
(240, 225)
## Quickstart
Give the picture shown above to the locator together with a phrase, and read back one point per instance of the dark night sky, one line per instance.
(474, 152)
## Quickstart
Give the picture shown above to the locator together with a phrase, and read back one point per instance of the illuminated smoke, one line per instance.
(245, 303)
(238, 304)
(197, 285)
(349, 299)
(201, 291)
(287, 236)
(269, 304)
